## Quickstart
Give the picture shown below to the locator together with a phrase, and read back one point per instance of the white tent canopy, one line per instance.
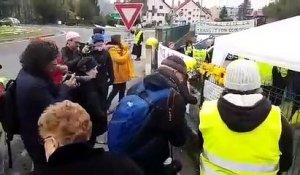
(275, 43)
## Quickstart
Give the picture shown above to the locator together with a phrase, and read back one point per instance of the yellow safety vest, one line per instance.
(188, 50)
(266, 74)
(200, 55)
(137, 37)
(247, 153)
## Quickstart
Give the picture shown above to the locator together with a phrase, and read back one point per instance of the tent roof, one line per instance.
(275, 43)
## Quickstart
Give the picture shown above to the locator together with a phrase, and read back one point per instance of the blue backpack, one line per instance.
(132, 114)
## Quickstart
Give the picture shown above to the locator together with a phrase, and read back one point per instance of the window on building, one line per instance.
(197, 16)
(190, 13)
(144, 20)
(185, 9)
(160, 22)
(181, 9)
(189, 18)
(161, 7)
(193, 15)
(176, 21)
(194, 9)
(193, 21)
(176, 15)
(153, 14)
(198, 10)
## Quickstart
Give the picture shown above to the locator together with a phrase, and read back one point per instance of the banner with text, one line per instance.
(223, 27)
(164, 52)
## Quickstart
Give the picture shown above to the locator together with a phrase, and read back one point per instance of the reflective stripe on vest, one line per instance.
(137, 37)
(265, 71)
(244, 153)
(239, 167)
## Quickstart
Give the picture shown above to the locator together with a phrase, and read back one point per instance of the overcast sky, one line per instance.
(256, 4)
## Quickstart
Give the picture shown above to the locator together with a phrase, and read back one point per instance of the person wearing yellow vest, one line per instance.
(138, 39)
(265, 71)
(188, 48)
(241, 133)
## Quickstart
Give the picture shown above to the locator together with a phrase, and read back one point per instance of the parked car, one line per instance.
(9, 21)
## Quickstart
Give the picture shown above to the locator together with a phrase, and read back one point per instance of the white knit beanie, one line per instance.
(72, 35)
(242, 75)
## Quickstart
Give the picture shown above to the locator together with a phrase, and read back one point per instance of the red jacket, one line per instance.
(57, 75)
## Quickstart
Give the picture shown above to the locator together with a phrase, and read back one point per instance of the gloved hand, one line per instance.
(86, 49)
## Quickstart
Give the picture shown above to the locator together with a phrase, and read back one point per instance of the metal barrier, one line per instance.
(171, 34)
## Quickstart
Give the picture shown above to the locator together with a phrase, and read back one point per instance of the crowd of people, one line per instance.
(63, 104)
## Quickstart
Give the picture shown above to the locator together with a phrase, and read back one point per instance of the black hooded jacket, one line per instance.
(245, 119)
(151, 148)
(81, 159)
(105, 67)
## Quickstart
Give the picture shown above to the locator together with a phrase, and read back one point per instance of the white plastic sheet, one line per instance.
(275, 43)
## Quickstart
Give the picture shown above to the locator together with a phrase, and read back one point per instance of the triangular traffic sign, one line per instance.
(129, 12)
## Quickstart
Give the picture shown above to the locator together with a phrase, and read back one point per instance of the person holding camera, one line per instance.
(70, 53)
(105, 76)
(35, 90)
(88, 97)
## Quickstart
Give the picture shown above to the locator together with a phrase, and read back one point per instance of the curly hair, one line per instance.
(66, 121)
(38, 55)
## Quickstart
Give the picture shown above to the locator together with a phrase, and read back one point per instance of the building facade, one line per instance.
(190, 12)
(157, 13)
(215, 12)
(232, 12)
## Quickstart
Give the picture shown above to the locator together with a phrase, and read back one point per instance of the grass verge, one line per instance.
(8, 33)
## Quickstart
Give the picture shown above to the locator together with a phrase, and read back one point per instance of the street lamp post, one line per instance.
(200, 1)
(172, 13)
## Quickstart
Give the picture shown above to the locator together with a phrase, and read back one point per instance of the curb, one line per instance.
(28, 38)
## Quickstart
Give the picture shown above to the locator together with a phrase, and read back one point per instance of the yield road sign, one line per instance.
(129, 12)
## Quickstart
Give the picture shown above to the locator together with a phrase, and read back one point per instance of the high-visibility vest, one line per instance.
(137, 37)
(200, 55)
(228, 152)
(266, 75)
(188, 50)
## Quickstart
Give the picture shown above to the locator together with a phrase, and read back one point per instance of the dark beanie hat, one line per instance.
(176, 63)
(86, 64)
(98, 30)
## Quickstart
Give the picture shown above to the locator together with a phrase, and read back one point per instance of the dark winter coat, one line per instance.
(70, 58)
(245, 119)
(88, 97)
(34, 95)
(137, 48)
(105, 67)
(151, 148)
(81, 159)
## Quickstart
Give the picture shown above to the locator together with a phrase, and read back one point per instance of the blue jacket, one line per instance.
(33, 95)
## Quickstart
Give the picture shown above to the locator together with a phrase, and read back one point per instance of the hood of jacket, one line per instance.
(165, 79)
(243, 113)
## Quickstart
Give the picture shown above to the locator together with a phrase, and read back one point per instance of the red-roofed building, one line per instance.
(189, 12)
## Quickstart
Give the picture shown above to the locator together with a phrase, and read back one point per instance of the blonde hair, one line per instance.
(65, 121)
